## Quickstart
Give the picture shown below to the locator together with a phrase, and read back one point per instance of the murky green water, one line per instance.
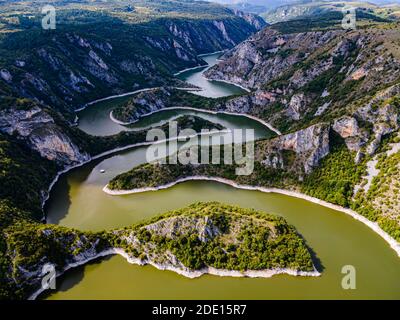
(95, 119)
(77, 201)
(338, 240)
(213, 89)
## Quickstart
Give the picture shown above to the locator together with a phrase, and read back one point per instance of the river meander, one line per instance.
(77, 200)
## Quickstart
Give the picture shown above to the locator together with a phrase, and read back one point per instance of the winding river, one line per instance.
(77, 200)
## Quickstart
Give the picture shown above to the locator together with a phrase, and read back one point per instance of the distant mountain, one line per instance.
(282, 10)
(317, 8)
(248, 7)
(254, 4)
(278, 3)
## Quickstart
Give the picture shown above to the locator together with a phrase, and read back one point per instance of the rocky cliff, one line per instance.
(266, 55)
(82, 62)
(144, 103)
(310, 76)
(39, 131)
(298, 152)
(39, 249)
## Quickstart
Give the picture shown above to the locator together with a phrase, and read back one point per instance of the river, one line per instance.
(77, 200)
(95, 119)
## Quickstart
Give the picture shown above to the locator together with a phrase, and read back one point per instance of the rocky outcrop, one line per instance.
(296, 106)
(267, 55)
(60, 249)
(39, 130)
(203, 226)
(308, 146)
(72, 67)
(5, 75)
(256, 21)
(348, 129)
(380, 117)
(383, 114)
(249, 104)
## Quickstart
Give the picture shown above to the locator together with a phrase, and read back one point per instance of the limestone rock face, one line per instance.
(296, 106)
(256, 21)
(42, 134)
(308, 147)
(6, 75)
(174, 227)
(267, 54)
(221, 27)
(348, 129)
(250, 104)
(384, 119)
(78, 249)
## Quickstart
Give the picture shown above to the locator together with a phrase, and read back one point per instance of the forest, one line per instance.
(238, 239)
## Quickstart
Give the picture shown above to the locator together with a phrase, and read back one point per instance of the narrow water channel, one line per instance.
(78, 201)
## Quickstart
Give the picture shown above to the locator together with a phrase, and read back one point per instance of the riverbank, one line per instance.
(191, 274)
(264, 123)
(200, 66)
(110, 152)
(190, 69)
(131, 93)
(220, 272)
(102, 254)
(228, 82)
(112, 118)
(372, 225)
(211, 53)
(114, 97)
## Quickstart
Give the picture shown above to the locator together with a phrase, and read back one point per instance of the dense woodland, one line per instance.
(238, 239)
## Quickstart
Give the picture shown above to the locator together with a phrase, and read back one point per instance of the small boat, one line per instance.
(102, 171)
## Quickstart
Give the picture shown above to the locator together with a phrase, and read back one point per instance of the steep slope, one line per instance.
(334, 95)
(302, 9)
(99, 50)
(311, 76)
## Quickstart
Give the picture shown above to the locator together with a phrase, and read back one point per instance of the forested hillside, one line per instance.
(334, 96)
(100, 49)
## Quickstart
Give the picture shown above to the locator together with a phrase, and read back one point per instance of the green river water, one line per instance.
(77, 200)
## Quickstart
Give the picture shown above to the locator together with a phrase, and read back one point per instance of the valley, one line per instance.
(70, 199)
(78, 192)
